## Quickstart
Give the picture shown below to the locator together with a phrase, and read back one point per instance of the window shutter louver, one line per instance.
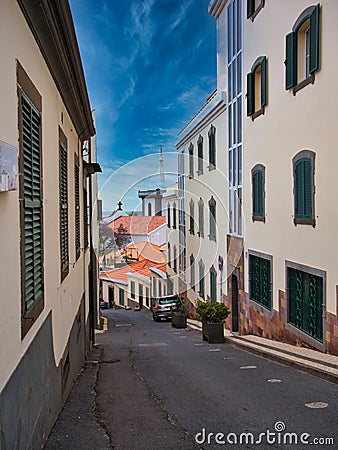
(64, 211)
(291, 61)
(77, 210)
(263, 83)
(250, 5)
(308, 189)
(258, 194)
(32, 205)
(299, 189)
(314, 40)
(250, 94)
(85, 220)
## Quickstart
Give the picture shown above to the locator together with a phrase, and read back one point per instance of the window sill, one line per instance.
(212, 237)
(258, 219)
(309, 80)
(211, 167)
(199, 234)
(199, 172)
(258, 113)
(28, 320)
(304, 221)
(192, 232)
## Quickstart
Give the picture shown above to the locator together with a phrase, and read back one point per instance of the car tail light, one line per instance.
(158, 307)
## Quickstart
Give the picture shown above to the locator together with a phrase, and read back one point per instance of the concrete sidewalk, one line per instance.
(314, 362)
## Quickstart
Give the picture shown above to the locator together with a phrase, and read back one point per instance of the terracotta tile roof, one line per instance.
(140, 268)
(144, 250)
(138, 225)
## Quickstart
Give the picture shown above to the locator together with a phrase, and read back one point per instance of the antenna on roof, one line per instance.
(162, 176)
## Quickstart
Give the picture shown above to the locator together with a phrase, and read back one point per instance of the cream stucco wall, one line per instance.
(290, 124)
(63, 299)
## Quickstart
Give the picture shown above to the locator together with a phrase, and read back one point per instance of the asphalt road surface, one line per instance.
(160, 387)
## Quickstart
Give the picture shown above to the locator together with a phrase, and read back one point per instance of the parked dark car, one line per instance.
(103, 304)
(162, 307)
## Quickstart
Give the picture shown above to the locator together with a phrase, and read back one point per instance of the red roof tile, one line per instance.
(140, 268)
(139, 225)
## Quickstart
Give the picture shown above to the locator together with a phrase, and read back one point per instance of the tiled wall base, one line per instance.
(272, 325)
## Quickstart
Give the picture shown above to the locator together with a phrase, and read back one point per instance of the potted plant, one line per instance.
(212, 316)
(179, 314)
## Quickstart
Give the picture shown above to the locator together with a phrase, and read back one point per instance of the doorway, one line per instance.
(234, 304)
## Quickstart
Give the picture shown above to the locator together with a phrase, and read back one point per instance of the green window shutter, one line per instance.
(250, 8)
(308, 188)
(314, 40)
(291, 61)
(263, 83)
(32, 270)
(64, 210)
(213, 292)
(77, 210)
(258, 193)
(299, 189)
(303, 189)
(250, 85)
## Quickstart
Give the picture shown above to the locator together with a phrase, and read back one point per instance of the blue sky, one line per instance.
(149, 66)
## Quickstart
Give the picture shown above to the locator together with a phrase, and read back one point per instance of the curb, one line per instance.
(277, 357)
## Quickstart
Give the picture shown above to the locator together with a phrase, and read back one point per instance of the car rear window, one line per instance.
(166, 301)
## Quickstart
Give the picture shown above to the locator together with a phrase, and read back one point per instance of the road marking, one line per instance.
(228, 357)
(215, 350)
(123, 325)
(105, 324)
(316, 405)
(154, 344)
(274, 380)
(199, 345)
(248, 367)
(183, 337)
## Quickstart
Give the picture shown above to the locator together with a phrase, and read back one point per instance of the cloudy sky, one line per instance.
(149, 66)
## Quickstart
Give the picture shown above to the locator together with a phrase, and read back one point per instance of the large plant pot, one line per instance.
(179, 320)
(213, 332)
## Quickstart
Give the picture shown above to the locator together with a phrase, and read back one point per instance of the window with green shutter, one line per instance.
(201, 269)
(192, 217)
(257, 88)
(174, 216)
(302, 50)
(191, 161)
(77, 210)
(200, 154)
(213, 285)
(303, 174)
(63, 198)
(258, 193)
(192, 272)
(212, 147)
(260, 280)
(31, 212)
(305, 302)
(212, 219)
(168, 216)
(200, 218)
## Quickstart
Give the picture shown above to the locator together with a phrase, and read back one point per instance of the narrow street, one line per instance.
(153, 387)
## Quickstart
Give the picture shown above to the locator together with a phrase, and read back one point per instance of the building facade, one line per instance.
(274, 243)
(282, 281)
(47, 318)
